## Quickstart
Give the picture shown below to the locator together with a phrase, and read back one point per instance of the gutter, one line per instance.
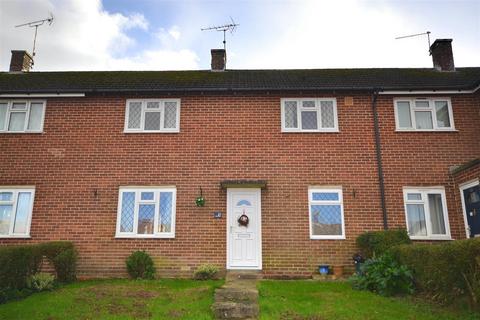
(378, 149)
(40, 95)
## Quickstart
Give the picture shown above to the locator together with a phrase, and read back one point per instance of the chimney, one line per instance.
(219, 59)
(21, 61)
(442, 56)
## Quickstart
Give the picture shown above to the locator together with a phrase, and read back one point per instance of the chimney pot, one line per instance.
(21, 61)
(442, 55)
(219, 59)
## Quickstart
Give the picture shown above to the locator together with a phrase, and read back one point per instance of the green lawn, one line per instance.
(313, 300)
(189, 299)
(118, 299)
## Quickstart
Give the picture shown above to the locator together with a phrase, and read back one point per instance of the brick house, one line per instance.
(308, 159)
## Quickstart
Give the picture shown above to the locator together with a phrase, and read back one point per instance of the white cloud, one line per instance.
(84, 37)
(174, 32)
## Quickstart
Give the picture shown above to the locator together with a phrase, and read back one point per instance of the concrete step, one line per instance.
(233, 310)
(235, 294)
(244, 275)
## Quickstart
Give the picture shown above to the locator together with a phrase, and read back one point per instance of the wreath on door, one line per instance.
(243, 220)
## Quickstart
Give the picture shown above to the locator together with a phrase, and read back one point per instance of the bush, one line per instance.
(383, 275)
(63, 256)
(205, 272)
(444, 272)
(41, 282)
(376, 243)
(19, 263)
(140, 265)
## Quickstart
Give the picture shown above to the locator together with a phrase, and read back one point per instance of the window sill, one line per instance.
(21, 132)
(426, 130)
(15, 237)
(327, 237)
(311, 131)
(162, 131)
(445, 238)
(156, 236)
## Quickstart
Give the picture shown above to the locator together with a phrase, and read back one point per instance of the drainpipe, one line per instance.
(378, 149)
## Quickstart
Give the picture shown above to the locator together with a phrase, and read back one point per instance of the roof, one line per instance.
(239, 80)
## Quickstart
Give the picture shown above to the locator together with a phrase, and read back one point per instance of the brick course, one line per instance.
(225, 137)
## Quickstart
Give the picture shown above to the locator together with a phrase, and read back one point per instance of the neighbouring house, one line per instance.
(293, 164)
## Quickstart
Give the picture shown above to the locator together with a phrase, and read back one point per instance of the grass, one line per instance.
(118, 299)
(313, 300)
(189, 299)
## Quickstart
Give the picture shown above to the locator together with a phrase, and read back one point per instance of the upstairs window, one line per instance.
(426, 213)
(424, 114)
(152, 115)
(309, 115)
(15, 212)
(326, 213)
(146, 213)
(21, 116)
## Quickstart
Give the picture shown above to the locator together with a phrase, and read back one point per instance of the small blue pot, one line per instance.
(324, 269)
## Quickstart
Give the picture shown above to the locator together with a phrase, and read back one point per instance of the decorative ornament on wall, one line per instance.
(243, 220)
(200, 200)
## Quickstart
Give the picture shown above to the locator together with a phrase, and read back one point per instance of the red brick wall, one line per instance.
(83, 148)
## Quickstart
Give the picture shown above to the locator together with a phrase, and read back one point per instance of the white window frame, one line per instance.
(138, 202)
(27, 115)
(162, 116)
(317, 109)
(428, 223)
(14, 202)
(431, 108)
(311, 202)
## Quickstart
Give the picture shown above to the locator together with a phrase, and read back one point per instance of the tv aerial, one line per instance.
(36, 24)
(224, 28)
(427, 33)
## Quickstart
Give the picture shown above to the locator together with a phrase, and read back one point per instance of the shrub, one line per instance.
(205, 272)
(140, 265)
(41, 281)
(376, 243)
(18, 263)
(383, 275)
(63, 256)
(444, 272)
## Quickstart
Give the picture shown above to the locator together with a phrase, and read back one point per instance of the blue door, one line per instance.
(472, 208)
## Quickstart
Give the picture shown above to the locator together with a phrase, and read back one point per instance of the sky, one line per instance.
(281, 34)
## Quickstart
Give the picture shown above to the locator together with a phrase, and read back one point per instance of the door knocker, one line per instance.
(243, 219)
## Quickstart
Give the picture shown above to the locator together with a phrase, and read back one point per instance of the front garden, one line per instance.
(398, 280)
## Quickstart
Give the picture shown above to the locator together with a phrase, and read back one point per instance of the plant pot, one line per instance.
(338, 271)
(324, 269)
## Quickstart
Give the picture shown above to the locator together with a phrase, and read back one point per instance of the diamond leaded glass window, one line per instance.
(310, 115)
(326, 214)
(146, 212)
(152, 115)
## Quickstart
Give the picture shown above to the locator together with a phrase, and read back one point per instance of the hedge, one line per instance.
(444, 272)
(376, 243)
(17, 263)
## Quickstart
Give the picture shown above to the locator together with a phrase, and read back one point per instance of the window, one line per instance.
(424, 114)
(152, 115)
(309, 115)
(146, 213)
(426, 213)
(15, 212)
(326, 213)
(21, 116)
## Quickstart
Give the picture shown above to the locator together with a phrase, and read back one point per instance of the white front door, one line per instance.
(244, 243)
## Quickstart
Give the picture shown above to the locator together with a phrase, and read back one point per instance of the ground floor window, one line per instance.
(146, 212)
(426, 213)
(15, 211)
(326, 213)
